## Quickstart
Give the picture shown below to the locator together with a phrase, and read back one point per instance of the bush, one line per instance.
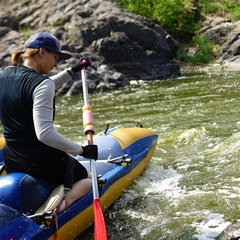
(234, 10)
(203, 51)
(181, 19)
(173, 15)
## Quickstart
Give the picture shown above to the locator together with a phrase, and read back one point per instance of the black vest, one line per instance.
(17, 85)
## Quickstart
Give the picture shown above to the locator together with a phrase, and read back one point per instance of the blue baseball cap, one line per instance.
(47, 41)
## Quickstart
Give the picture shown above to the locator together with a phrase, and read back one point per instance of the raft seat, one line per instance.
(17, 191)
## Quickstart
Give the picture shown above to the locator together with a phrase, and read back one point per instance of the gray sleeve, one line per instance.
(43, 119)
(60, 78)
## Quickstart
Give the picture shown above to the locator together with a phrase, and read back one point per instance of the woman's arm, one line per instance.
(43, 118)
(62, 77)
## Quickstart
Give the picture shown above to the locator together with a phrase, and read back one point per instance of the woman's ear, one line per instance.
(41, 51)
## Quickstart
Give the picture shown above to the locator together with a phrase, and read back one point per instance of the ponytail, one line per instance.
(19, 56)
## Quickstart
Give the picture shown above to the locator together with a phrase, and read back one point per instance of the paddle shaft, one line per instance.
(85, 93)
(99, 227)
(89, 136)
(93, 169)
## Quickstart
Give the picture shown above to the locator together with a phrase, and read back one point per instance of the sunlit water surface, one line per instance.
(191, 189)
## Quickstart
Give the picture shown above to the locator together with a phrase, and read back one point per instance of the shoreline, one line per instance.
(188, 69)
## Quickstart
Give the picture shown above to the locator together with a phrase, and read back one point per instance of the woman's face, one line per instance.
(49, 61)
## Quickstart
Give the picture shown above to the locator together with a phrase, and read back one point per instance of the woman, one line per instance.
(33, 146)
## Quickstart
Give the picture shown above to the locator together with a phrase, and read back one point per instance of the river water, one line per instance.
(191, 189)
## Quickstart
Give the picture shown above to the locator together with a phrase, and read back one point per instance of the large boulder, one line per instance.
(121, 46)
(225, 34)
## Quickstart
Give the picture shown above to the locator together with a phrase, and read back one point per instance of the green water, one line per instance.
(191, 189)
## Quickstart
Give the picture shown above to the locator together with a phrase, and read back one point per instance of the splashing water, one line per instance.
(191, 189)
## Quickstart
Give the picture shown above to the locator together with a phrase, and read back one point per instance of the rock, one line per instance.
(224, 33)
(232, 232)
(121, 46)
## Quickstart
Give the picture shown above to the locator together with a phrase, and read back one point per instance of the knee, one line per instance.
(88, 183)
(89, 175)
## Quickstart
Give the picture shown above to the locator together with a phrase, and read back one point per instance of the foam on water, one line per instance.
(192, 184)
(163, 181)
(211, 227)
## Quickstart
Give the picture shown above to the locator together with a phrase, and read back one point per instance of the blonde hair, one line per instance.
(19, 56)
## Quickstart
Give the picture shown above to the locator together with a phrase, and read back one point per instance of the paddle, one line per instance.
(99, 223)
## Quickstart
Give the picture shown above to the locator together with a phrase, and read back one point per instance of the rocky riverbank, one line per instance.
(120, 46)
(224, 35)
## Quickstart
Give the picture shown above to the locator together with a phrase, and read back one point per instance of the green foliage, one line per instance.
(231, 5)
(181, 15)
(173, 15)
(211, 7)
(203, 51)
(234, 9)
(181, 18)
(222, 8)
(176, 15)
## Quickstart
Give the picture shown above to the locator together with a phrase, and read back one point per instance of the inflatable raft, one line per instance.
(124, 154)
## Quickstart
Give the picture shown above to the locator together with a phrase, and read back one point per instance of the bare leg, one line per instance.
(78, 190)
